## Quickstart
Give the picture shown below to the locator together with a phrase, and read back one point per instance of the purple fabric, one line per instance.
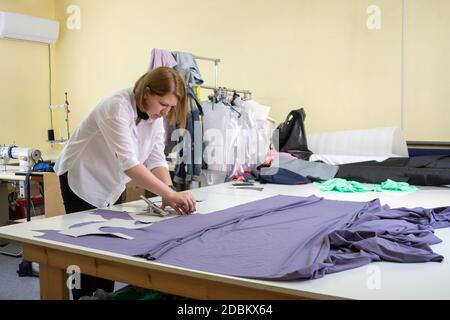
(161, 58)
(282, 238)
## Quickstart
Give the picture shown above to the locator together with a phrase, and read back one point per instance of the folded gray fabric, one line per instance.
(313, 170)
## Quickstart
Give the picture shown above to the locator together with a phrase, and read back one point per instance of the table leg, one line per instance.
(53, 283)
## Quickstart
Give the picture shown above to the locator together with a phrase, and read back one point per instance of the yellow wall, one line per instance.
(313, 53)
(317, 54)
(427, 70)
(24, 83)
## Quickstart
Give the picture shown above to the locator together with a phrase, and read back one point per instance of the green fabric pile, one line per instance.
(342, 185)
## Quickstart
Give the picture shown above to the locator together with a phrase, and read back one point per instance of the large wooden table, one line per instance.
(380, 280)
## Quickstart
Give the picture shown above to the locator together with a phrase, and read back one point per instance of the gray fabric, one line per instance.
(169, 145)
(186, 61)
(282, 238)
(313, 170)
(189, 159)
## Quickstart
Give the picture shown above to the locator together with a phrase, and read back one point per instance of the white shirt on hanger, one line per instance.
(107, 143)
(234, 143)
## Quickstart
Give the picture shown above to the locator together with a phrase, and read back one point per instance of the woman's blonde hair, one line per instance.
(162, 81)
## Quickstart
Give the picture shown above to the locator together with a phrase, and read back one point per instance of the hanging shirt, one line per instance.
(161, 58)
(186, 61)
(105, 145)
(234, 142)
(217, 134)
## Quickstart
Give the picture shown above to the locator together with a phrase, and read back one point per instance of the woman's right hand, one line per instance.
(181, 202)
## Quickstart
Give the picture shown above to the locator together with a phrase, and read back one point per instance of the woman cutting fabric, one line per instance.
(120, 140)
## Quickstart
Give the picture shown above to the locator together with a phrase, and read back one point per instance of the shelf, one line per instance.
(38, 217)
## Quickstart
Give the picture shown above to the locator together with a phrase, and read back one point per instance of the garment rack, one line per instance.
(216, 61)
(246, 93)
(216, 67)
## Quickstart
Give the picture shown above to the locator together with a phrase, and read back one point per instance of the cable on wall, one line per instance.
(50, 84)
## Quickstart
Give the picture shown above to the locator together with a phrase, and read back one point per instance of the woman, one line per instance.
(122, 139)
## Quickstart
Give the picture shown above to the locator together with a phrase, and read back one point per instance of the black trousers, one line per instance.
(73, 203)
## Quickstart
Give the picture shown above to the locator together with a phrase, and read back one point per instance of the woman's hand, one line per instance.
(181, 202)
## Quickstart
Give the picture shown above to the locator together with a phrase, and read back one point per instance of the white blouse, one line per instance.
(107, 143)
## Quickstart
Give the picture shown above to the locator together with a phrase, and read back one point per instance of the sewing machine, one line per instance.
(27, 157)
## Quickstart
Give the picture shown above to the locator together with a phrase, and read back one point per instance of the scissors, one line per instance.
(154, 208)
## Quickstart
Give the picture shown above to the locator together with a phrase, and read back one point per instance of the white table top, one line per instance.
(381, 280)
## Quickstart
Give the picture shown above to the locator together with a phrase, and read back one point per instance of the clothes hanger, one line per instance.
(224, 100)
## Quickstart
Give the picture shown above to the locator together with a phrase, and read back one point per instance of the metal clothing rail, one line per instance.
(245, 92)
(216, 77)
(215, 60)
(216, 67)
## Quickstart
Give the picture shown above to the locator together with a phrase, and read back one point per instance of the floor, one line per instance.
(13, 287)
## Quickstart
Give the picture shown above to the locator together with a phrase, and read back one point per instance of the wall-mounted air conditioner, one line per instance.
(22, 27)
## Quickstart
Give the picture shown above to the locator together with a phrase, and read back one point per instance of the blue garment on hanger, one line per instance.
(191, 156)
(186, 61)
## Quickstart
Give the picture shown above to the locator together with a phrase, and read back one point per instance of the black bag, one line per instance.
(290, 135)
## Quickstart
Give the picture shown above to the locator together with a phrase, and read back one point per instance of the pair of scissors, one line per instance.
(154, 208)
